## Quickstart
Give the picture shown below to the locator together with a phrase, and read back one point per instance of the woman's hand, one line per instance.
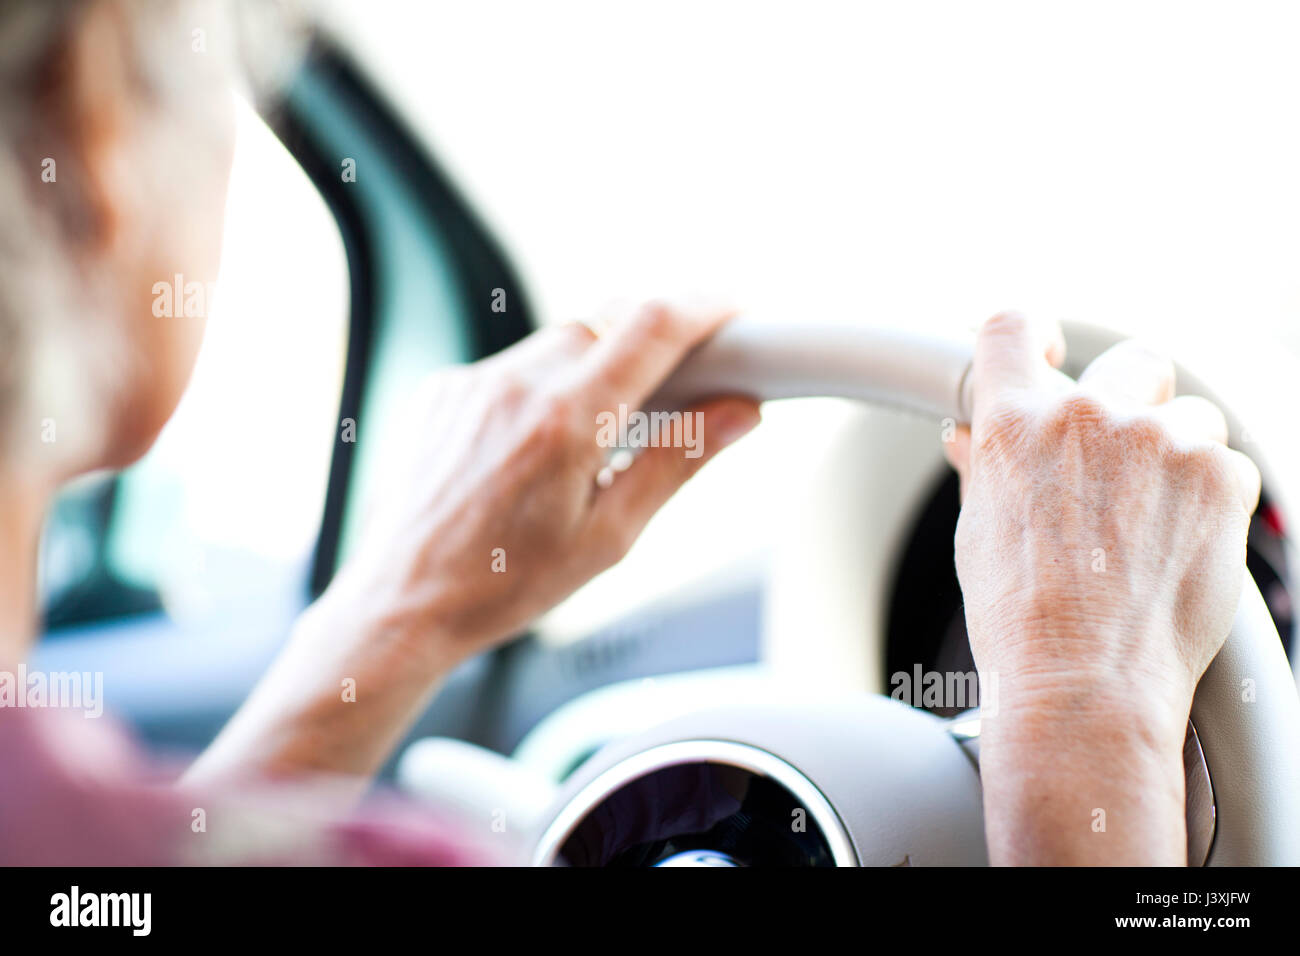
(496, 514)
(1100, 549)
(493, 517)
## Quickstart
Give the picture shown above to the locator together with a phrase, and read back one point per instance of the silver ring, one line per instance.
(620, 460)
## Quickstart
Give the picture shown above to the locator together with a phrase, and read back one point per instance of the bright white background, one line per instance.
(1128, 163)
(1134, 162)
(230, 497)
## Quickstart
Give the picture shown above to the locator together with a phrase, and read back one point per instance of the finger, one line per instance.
(1131, 371)
(634, 356)
(1192, 419)
(1013, 352)
(636, 494)
(1248, 479)
(548, 347)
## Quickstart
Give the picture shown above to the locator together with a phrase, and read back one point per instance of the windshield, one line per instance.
(1132, 165)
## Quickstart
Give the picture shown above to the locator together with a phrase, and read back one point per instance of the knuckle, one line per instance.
(1146, 436)
(657, 319)
(1208, 471)
(573, 338)
(561, 407)
(1079, 411)
(554, 426)
(512, 391)
(1002, 426)
(1086, 421)
(1006, 323)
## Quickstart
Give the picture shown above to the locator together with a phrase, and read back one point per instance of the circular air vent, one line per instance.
(709, 801)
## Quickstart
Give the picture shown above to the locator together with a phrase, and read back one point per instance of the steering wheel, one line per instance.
(868, 780)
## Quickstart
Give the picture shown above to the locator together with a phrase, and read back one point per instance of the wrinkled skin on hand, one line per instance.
(1100, 549)
(494, 516)
(490, 516)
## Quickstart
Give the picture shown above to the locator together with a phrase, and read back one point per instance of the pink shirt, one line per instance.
(75, 791)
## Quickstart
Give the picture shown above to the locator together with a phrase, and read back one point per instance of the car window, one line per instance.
(227, 504)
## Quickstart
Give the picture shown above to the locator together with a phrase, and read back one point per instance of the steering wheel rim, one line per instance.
(1246, 708)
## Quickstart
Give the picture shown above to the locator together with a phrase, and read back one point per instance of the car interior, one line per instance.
(676, 712)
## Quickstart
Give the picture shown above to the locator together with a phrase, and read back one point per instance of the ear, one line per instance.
(90, 97)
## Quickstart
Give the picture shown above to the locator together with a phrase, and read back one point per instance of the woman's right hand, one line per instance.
(492, 516)
(495, 514)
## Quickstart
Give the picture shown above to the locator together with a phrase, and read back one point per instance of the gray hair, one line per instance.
(57, 363)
